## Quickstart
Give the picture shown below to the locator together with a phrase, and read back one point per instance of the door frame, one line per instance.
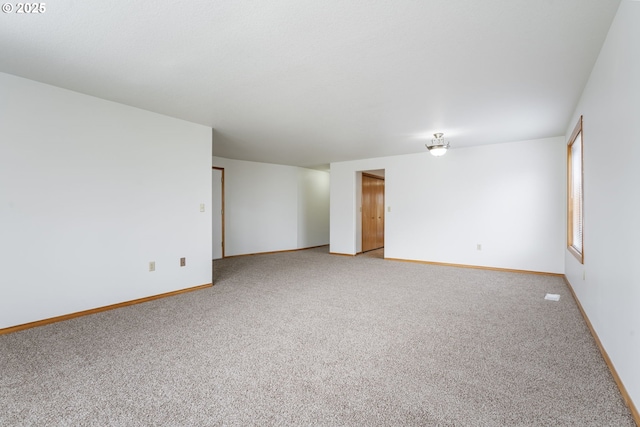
(381, 178)
(223, 209)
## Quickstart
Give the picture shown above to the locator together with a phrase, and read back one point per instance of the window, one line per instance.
(575, 221)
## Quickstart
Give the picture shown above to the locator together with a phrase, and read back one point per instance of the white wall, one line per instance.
(273, 207)
(90, 192)
(505, 197)
(313, 208)
(609, 290)
(359, 212)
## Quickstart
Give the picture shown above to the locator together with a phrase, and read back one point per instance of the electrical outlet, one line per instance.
(479, 247)
(152, 266)
(201, 207)
(183, 262)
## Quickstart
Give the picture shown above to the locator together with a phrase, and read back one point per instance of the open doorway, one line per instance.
(217, 211)
(372, 212)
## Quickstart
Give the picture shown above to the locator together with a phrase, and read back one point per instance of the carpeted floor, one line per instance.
(376, 253)
(308, 338)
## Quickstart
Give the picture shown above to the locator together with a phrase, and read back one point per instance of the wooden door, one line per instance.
(372, 212)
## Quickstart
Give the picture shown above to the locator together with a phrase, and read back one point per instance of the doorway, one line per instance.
(372, 212)
(217, 211)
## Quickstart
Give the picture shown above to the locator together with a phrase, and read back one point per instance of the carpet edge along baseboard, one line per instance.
(623, 390)
(478, 267)
(69, 316)
(272, 252)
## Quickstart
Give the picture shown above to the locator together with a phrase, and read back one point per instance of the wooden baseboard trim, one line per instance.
(339, 254)
(623, 391)
(50, 320)
(477, 267)
(274, 252)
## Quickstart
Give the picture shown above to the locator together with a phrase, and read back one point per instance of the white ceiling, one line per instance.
(305, 82)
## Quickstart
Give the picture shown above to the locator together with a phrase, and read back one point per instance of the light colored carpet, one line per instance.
(308, 338)
(376, 253)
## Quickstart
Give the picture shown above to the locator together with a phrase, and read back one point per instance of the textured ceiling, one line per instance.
(311, 82)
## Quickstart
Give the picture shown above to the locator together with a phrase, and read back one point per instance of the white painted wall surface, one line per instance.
(216, 212)
(263, 205)
(610, 290)
(359, 212)
(505, 197)
(345, 200)
(91, 191)
(313, 208)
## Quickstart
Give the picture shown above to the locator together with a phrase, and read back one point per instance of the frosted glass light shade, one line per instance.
(437, 150)
(438, 146)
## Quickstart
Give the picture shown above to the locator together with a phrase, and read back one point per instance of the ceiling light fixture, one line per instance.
(438, 146)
